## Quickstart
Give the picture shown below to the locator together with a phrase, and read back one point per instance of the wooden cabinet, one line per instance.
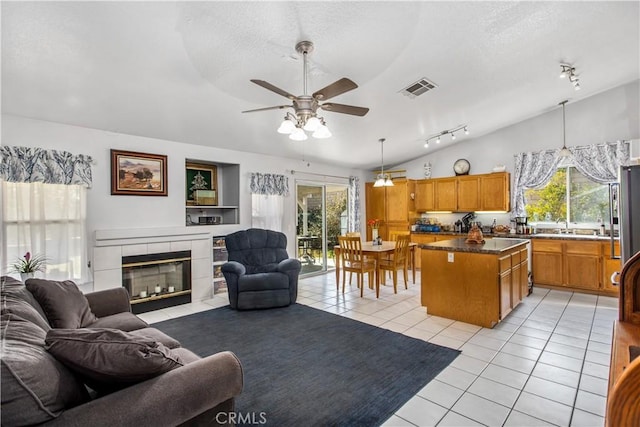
(393, 205)
(610, 266)
(547, 262)
(488, 192)
(573, 264)
(469, 193)
(494, 192)
(473, 287)
(425, 195)
(445, 194)
(582, 265)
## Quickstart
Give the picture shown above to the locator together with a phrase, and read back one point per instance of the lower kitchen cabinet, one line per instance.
(572, 264)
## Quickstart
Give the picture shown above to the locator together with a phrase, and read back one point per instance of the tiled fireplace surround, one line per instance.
(111, 245)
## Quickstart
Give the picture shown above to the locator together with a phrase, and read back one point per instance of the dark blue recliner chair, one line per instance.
(259, 272)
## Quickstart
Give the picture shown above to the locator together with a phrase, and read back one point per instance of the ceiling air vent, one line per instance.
(418, 88)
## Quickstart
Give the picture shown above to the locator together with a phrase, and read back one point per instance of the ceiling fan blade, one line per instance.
(273, 88)
(345, 109)
(334, 89)
(278, 107)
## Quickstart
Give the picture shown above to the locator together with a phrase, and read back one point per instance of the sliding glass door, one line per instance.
(321, 218)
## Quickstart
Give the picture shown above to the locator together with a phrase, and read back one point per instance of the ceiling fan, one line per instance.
(306, 106)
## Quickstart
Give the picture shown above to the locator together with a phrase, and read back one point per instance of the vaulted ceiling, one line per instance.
(180, 71)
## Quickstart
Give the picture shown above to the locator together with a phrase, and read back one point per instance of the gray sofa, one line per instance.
(37, 388)
(259, 272)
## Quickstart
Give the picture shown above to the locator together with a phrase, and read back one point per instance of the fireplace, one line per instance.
(156, 281)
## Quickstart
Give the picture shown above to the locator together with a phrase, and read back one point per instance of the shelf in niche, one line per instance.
(227, 186)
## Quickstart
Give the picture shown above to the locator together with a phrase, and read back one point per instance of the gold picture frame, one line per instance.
(138, 174)
(200, 176)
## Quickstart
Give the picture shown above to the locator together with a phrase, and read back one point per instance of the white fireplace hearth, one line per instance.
(111, 245)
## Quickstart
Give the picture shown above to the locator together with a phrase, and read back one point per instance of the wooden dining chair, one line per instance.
(353, 261)
(399, 261)
(393, 236)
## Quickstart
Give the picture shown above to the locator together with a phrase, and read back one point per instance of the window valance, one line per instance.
(269, 184)
(32, 164)
(598, 162)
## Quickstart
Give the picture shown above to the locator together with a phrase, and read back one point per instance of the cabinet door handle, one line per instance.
(614, 278)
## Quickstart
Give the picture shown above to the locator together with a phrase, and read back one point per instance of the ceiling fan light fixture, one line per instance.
(287, 126)
(298, 134)
(453, 136)
(388, 182)
(380, 181)
(322, 132)
(466, 131)
(312, 124)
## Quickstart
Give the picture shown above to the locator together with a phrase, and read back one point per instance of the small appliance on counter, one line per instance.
(521, 224)
(466, 222)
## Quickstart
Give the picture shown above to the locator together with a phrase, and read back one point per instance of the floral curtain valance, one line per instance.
(31, 164)
(599, 162)
(269, 184)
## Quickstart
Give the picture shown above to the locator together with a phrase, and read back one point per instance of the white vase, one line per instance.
(374, 234)
(25, 276)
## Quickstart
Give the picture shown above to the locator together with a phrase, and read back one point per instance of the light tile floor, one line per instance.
(547, 363)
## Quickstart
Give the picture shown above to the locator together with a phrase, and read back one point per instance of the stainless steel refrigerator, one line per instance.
(625, 207)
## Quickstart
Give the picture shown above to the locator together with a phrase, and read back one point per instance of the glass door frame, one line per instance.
(324, 238)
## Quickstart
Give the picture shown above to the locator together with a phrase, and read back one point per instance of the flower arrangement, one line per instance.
(29, 264)
(373, 223)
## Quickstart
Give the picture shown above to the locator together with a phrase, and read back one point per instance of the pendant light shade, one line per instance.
(383, 179)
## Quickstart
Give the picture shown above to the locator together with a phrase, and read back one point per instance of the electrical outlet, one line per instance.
(449, 256)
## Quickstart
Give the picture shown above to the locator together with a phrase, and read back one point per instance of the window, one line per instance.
(49, 220)
(569, 196)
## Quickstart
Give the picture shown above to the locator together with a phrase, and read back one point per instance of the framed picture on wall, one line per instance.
(138, 174)
(201, 184)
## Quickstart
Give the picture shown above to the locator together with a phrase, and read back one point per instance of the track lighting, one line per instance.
(567, 70)
(452, 131)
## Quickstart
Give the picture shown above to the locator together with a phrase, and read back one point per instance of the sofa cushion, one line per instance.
(16, 299)
(153, 334)
(125, 321)
(35, 386)
(109, 359)
(63, 303)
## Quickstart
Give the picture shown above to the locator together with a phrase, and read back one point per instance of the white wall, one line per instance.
(606, 117)
(129, 212)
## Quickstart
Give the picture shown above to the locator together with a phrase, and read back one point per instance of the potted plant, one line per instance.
(28, 265)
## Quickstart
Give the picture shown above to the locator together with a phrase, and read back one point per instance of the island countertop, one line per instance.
(491, 246)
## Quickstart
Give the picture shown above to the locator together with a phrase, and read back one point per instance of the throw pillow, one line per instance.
(35, 387)
(109, 359)
(63, 303)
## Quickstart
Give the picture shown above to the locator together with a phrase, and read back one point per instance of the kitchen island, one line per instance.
(474, 283)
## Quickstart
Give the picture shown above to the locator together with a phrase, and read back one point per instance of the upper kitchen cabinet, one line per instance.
(488, 192)
(425, 195)
(494, 192)
(446, 198)
(392, 205)
(469, 193)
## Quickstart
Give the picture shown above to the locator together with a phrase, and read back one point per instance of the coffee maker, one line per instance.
(521, 224)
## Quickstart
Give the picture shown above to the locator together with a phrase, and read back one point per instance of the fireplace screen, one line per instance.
(154, 277)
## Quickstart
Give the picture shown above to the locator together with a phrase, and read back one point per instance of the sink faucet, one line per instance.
(566, 225)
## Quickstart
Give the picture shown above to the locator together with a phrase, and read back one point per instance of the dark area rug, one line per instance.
(307, 367)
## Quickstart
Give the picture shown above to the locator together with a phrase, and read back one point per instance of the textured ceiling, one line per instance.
(180, 71)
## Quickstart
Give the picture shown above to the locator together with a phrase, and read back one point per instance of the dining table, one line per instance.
(378, 251)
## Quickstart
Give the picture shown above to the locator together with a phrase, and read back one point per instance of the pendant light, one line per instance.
(564, 151)
(383, 179)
